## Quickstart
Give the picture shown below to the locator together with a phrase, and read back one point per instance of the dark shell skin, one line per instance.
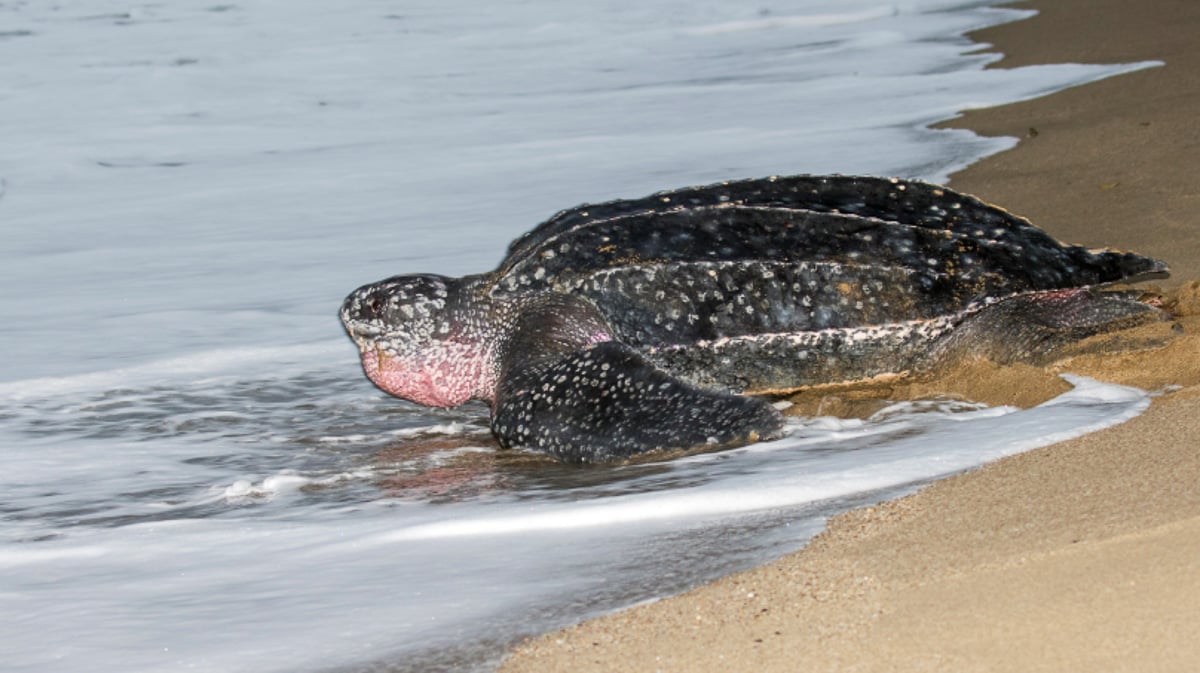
(617, 328)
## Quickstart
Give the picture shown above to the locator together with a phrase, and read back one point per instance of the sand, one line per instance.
(1081, 556)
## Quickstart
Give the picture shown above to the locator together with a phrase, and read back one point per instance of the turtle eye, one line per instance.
(374, 305)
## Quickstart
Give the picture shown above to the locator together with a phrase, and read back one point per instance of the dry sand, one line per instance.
(1081, 556)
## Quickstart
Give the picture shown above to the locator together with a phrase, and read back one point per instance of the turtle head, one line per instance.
(419, 339)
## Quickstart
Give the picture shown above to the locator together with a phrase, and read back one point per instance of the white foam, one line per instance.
(443, 429)
(11, 557)
(803, 21)
(1085, 390)
(175, 370)
(283, 483)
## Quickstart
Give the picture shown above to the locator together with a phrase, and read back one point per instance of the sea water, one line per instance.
(196, 476)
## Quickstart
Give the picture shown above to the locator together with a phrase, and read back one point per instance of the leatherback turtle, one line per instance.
(633, 325)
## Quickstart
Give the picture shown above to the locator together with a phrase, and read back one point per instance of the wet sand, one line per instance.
(1084, 555)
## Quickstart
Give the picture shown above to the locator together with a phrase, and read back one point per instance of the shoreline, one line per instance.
(1078, 556)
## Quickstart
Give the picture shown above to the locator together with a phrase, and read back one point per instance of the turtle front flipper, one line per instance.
(605, 401)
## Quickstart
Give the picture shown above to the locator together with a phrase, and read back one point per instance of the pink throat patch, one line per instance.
(446, 381)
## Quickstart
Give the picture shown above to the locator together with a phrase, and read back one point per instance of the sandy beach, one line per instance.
(1079, 556)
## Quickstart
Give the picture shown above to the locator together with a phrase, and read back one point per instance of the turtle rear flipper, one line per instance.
(1038, 327)
(606, 401)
